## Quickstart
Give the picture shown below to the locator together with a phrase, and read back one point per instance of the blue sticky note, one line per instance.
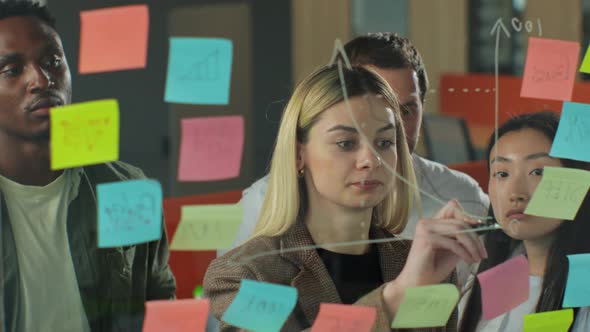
(129, 212)
(199, 71)
(577, 289)
(573, 134)
(261, 306)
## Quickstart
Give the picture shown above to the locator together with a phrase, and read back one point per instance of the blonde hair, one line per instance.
(285, 199)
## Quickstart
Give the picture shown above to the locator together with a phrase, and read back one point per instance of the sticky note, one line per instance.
(199, 71)
(560, 193)
(577, 289)
(207, 227)
(585, 67)
(176, 316)
(114, 38)
(211, 148)
(549, 321)
(84, 134)
(426, 306)
(129, 212)
(550, 69)
(504, 287)
(344, 318)
(573, 133)
(261, 306)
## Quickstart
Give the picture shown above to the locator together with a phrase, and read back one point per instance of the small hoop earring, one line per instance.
(300, 172)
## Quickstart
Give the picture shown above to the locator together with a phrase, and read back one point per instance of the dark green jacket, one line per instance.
(114, 282)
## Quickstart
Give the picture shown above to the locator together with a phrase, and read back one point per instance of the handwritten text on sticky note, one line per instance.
(504, 287)
(550, 69)
(199, 71)
(577, 288)
(549, 321)
(207, 227)
(344, 318)
(573, 134)
(261, 306)
(176, 316)
(129, 212)
(426, 306)
(211, 148)
(560, 193)
(84, 134)
(113, 38)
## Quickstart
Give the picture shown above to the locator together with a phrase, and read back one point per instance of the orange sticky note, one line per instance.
(113, 38)
(211, 148)
(550, 69)
(176, 316)
(344, 318)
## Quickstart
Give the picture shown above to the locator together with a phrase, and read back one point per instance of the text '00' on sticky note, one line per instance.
(261, 306)
(549, 321)
(199, 71)
(344, 318)
(84, 134)
(573, 134)
(176, 316)
(550, 69)
(207, 227)
(426, 306)
(211, 148)
(129, 212)
(113, 38)
(560, 193)
(504, 287)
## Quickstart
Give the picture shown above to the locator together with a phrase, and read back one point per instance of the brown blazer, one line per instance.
(303, 270)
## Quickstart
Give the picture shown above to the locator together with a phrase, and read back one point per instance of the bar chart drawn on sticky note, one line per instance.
(199, 71)
(129, 212)
(84, 134)
(550, 69)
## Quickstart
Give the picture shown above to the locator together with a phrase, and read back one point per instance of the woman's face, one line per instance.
(516, 167)
(340, 168)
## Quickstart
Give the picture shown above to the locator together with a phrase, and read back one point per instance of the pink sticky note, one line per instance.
(344, 318)
(176, 316)
(504, 287)
(550, 69)
(211, 148)
(113, 38)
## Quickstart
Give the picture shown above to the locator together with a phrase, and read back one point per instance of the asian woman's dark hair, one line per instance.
(571, 236)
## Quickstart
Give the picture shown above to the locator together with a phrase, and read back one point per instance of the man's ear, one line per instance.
(300, 160)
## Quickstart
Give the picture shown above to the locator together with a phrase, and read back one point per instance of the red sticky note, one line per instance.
(176, 316)
(344, 318)
(211, 148)
(113, 38)
(504, 287)
(550, 69)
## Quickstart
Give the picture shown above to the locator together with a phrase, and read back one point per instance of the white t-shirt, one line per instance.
(50, 295)
(434, 179)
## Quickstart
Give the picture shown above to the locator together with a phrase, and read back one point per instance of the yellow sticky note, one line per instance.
(207, 227)
(585, 67)
(84, 134)
(426, 306)
(560, 193)
(549, 321)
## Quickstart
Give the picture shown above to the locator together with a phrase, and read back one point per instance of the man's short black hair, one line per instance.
(388, 51)
(13, 8)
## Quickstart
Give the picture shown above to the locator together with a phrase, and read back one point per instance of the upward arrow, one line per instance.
(500, 25)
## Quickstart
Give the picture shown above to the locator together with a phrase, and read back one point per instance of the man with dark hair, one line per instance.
(400, 64)
(53, 277)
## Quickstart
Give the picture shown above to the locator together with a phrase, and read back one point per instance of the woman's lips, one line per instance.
(517, 216)
(367, 185)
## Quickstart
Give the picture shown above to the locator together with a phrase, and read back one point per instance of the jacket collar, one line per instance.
(313, 282)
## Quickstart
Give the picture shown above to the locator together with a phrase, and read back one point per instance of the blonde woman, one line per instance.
(330, 183)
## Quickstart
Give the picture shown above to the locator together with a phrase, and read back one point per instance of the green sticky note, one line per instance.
(84, 134)
(198, 292)
(426, 306)
(207, 227)
(550, 321)
(560, 193)
(585, 67)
